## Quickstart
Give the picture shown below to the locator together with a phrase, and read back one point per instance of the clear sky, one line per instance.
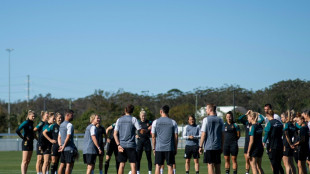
(71, 48)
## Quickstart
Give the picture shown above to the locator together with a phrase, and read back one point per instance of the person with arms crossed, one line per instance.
(91, 146)
(191, 134)
(165, 140)
(124, 135)
(27, 137)
(66, 144)
(212, 136)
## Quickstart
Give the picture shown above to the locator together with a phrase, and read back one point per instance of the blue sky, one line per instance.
(71, 48)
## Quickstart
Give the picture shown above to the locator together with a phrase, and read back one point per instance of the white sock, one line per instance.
(46, 172)
(100, 171)
(161, 171)
(138, 172)
(173, 171)
(129, 172)
(150, 172)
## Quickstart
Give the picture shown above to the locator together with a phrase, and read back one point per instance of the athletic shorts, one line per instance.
(191, 151)
(288, 151)
(47, 149)
(39, 150)
(212, 156)
(67, 156)
(302, 156)
(112, 148)
(144, 143)
(258, 152)
(89, 158)
(27, 145)
(246, 145)
(231, 149)
(128, 153)
(55, 148)
(161, 156)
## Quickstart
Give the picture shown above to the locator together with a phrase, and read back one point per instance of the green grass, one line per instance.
(10, 164)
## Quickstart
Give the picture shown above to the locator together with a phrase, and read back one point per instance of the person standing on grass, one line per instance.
(212, 136)
(273, 133)
(244, 120)
(232, 135)
(39, 129)
(91, 146)
(302, 145)
(100, 133)
(124, 135)
(27, 137)
(256, 148)
(191, 134)
(306, 115)
(289, 131)
(66, 144)
(111, 148)
(165, 140)
(47, 141)
(144, 142)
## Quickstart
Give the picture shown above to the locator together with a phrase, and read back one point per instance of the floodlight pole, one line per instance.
(9, 103)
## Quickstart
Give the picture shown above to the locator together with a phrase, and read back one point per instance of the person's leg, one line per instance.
(139, 156)
(259, 166)
(133, 168)
(210, 168)
(61, 168)
(90, 168)
(286, 164)
(149, 159)
(196, 165)
(107, 163)
(100, 157)
(187, 165)
(227, 164)
(121, 168)
(247, 164)
(291, 162)
(170, 169)
(303, 166)
(39, 163)
(68, 168)
(217, 168)
(253, 164)
(25, 159)
(157, 169)
(45, 163)
(235, 164)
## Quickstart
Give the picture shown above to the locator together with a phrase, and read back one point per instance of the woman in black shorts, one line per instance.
(27, 143)
(288, 146)
(39, 129)
(255, 149)
(47, 141)
(302, 145)
(54, 129)
(232, 134)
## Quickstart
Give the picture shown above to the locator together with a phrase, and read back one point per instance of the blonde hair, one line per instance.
(43, 112)
(253, 115)
(289, 115)
(92, 117)
(142, 112)
(50, 114)
(31, 112)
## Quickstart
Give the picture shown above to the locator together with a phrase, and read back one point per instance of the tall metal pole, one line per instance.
(9, 103)
(196, 105)
(234, 102)
(28, 90)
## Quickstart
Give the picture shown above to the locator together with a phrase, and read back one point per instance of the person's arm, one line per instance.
(223, 135)
(47, 137)
(267, 130)
(20, 127)
(175, 137)
(261, 120)
(242, 120)
(203, 134)
(94, 139)
(238, 130)
(251, 134)
(153, 133)
(184, 133)
(105, 136)
(69, 132)
(119, 147)
(199, 133)
(289, 140)
(38, 126)
(59, 139)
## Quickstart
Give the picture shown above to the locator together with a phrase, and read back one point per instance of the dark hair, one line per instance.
(165, 109)
(307, 112)
(212, 106)
(69, 111)
(232, 115)
(191, 115)
(270, 112)
(129, 109)
(269, 105)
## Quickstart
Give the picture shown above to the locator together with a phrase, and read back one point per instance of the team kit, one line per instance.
(285, 137)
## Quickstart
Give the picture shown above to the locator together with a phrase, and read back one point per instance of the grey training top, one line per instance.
(126, 127)
(192, 130)
(164, 129)
(89, 146)
(66, 128)
(213, 126)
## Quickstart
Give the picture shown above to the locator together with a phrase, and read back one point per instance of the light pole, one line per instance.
(9, 106)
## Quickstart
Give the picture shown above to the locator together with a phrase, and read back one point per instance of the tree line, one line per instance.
(283, 95)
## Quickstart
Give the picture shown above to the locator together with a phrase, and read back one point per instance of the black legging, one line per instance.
(148, 156)
(275, 157)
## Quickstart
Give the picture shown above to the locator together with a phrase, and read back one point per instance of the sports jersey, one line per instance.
(99, 134)
(145, 125)
(89, 146)
(213, 126)
(27, 126)
(164, 129)
(244, 121)
(256, 132)
(231, 132)
(289, 131)
(273, 132)
(66, 128)
(303, 146)
(192, 130)
(44, 140)
(126, 127)
(111, 136)
(40, 130)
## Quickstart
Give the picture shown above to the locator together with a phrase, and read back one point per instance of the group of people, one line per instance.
(286, 138)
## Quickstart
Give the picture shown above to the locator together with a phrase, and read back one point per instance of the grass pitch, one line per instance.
(10, 164)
